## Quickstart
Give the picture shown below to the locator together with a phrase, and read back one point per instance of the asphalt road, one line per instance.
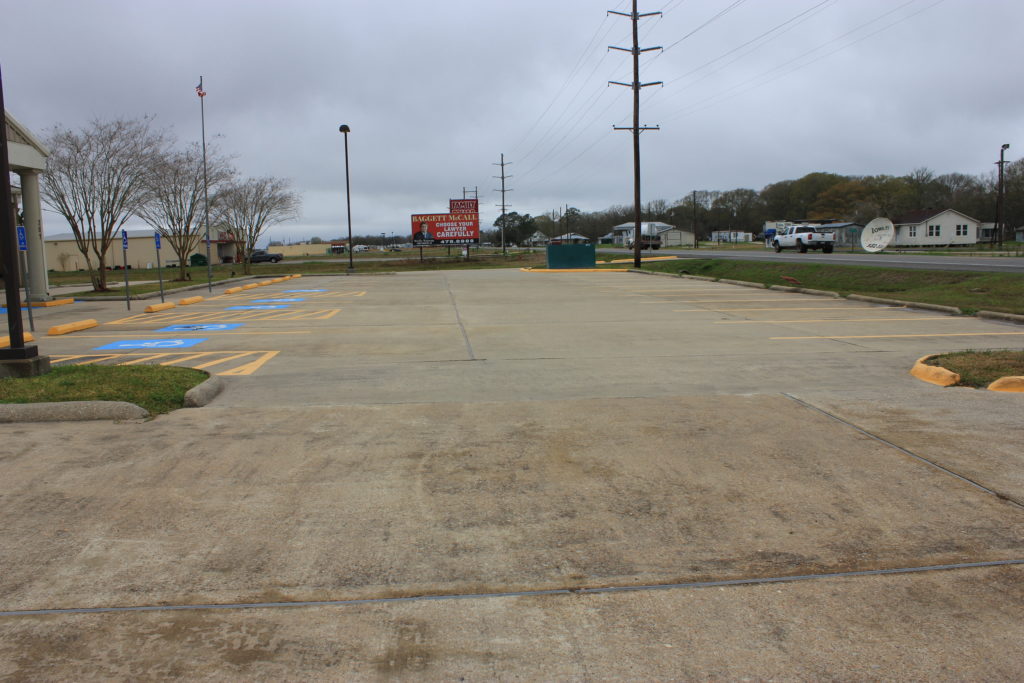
(500, 475)
(990, 264)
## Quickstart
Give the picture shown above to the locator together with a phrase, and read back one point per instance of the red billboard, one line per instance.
(463, 206)
(445, 228)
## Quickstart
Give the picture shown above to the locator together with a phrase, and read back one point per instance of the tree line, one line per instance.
(108, 172)
(818, 195)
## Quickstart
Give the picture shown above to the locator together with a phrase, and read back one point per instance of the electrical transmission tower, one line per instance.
(503, 190)
(636, 85)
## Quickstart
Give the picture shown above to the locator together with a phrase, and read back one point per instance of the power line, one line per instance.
(721, 14)
(568, 79)
(739, 87)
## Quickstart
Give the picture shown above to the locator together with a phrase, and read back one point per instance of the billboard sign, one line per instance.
(445, 228)
(463, 206)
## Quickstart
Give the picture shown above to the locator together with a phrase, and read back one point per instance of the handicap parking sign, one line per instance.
(201, 327)
(150, 344)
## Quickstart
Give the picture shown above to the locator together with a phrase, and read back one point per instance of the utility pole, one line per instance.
(1000, 228)
(696, 241)
(636, 85)
(503, 190)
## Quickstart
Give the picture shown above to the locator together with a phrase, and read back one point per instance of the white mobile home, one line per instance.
(931, 228)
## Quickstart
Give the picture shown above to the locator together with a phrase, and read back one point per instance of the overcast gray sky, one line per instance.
(435, 92)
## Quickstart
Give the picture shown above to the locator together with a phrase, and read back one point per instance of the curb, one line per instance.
(71, 411)
(996, 315)
(79, 411)
(6, 341)
(933, 374)
(68, 328)
(1010, 384)
(201, 394)
(909, 304)
(936, 374)
(742, 283)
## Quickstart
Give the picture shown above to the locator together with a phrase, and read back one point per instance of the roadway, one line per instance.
(987, 264)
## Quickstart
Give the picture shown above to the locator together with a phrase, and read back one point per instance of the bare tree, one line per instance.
(174, 188)
(95, 178)
(247, 208)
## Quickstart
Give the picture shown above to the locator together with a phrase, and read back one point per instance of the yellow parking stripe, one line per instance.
(99, 359)
(773, 308)
(188, 357)
(170, 317)
(827, 320)
(145, 359)
(252, 367)
(224, 360)
(723, 301)
(212, 358)
(894, 336)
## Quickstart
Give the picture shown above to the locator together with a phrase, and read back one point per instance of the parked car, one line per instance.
(262, 256)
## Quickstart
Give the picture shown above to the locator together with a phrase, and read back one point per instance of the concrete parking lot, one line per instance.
(503, 474)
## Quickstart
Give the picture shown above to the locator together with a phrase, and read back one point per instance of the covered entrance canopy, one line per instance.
(27, 157)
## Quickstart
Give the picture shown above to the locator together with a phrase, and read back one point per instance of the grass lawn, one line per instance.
(981, 368)
(156, 388)
(968, 291)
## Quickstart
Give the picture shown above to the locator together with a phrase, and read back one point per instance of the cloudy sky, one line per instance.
(754, 91)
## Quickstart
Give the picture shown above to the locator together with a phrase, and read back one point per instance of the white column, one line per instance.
(39, 281)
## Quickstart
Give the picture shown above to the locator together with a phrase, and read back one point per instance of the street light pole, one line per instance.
(344, 129)
(999, 196)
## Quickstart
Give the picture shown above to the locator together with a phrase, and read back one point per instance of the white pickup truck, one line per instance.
(804, 237)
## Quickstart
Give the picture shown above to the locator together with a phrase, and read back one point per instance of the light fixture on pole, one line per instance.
(344, 130)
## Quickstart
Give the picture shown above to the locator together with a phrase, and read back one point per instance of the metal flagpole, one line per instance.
(206, 195)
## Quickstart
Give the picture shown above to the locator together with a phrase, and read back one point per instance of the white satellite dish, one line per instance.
(877, 235)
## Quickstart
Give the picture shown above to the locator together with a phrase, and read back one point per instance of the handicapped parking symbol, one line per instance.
(150, 344)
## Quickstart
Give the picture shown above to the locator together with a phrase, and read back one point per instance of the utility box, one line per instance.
(571, 256)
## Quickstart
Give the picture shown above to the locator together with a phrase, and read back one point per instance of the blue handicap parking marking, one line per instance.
(201, 327)
(150, 344)
(260, 307)
(274, 301)
(301, 291)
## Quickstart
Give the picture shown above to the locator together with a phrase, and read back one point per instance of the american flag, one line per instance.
(199, 90)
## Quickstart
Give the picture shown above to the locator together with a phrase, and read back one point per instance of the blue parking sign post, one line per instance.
(124, 264)
(23, 255)
(159, 270)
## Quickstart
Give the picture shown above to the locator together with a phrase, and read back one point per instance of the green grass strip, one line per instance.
(968, 291)
(981, 368)
(156, 388)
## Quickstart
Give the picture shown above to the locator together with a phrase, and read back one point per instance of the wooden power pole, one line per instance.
(636, 85)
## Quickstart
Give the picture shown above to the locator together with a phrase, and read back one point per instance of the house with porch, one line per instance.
(934, 228)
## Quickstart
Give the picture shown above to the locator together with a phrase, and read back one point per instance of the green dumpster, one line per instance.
(571, 256)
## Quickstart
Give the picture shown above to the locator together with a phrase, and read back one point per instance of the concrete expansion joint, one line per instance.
(956, 475)
(580, 591)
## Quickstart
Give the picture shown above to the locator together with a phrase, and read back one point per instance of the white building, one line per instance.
(731, 236)
(930, 228)
(624, 232)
